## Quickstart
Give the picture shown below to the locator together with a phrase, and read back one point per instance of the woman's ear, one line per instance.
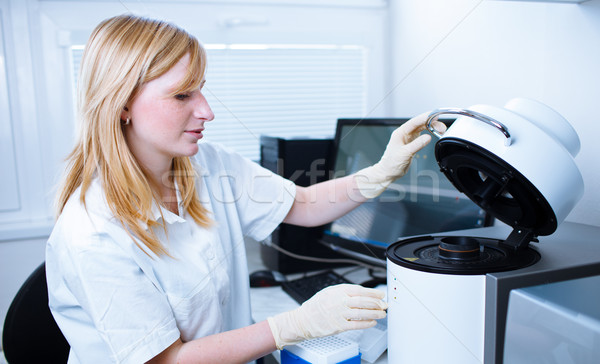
(124, 113)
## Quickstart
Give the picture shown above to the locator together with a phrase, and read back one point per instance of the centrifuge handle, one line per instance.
(473, 114)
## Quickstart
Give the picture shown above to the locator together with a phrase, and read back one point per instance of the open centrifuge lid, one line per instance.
(517, 163)
(496, 187)
(520, 170)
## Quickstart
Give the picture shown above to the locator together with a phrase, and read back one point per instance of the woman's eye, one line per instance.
(182, 97)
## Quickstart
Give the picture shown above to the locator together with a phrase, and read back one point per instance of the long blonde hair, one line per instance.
(122, 54)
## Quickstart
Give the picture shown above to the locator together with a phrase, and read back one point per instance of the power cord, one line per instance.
(270, 244)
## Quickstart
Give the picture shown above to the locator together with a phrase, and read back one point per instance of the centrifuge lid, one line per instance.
(502, 191)
(495, 186)
(502, 168)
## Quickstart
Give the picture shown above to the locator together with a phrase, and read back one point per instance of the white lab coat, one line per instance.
(114, 303)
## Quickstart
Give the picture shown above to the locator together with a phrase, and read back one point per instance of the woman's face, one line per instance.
(163, 126)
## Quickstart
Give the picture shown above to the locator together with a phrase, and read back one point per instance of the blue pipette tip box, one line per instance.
(325, 350)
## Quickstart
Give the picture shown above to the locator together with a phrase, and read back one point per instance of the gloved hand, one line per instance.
(404, 143)
(330, 311)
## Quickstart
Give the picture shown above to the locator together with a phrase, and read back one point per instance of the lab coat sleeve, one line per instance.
(261, 198)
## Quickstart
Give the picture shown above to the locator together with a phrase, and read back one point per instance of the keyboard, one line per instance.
(301, 289)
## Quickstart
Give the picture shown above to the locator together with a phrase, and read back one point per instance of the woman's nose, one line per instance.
(203, 110)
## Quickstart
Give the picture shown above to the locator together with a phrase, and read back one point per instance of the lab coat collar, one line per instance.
(168, 216)
(94, 193)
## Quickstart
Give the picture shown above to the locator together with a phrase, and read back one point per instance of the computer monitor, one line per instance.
(424, 201)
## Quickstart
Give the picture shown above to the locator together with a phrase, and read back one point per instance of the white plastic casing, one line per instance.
(542, 147)
(435, 318)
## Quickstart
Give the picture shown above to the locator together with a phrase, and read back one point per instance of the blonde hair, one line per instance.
(122, 54)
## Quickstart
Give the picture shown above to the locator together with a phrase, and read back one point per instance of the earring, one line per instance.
(127, 121)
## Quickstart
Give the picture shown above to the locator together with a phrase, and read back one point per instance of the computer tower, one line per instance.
(305, 161)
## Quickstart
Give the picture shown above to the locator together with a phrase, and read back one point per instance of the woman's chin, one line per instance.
(190, 151)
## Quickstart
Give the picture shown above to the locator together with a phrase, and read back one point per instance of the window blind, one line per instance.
(286, 91)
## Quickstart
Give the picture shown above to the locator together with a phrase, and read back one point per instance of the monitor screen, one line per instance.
(424, 201)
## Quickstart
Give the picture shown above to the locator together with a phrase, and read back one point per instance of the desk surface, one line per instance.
(268, 301)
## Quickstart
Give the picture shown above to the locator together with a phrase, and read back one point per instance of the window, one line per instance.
(286, 91)
(9, 184)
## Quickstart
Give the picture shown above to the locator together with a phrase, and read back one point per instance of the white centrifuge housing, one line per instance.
(448, 293)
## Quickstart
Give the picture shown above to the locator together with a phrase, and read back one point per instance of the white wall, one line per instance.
(459, 53)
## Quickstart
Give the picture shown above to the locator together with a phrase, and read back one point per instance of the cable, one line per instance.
(320, 260)
(373, 275)
(352, 270)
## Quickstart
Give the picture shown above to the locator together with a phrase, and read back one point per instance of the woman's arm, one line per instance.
(330, 311)
(236, 346)
(324, 202)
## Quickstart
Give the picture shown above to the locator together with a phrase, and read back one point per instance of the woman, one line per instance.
(146, 262)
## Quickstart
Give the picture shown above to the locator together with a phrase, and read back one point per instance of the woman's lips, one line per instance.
(196, 133)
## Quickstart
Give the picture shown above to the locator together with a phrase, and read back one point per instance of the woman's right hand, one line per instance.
(332, 310)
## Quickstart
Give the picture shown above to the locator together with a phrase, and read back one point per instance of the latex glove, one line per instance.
(330, 311)
(404, 143)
